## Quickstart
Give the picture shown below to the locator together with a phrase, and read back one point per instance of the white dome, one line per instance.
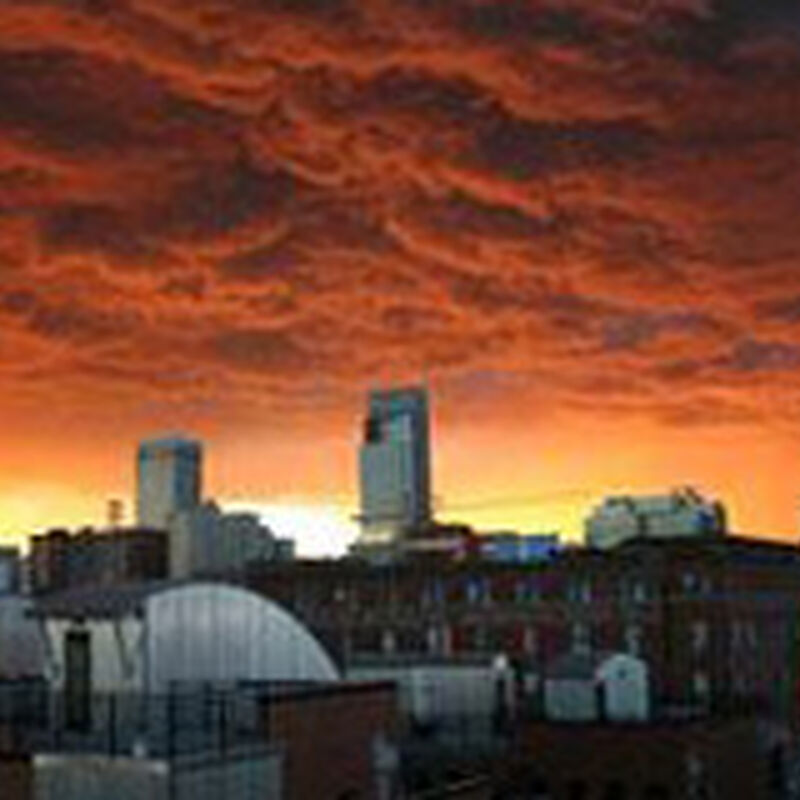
(221, 633)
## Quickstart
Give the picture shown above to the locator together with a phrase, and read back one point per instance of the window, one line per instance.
(752, 637)
(388, 642)
(525, 590)
(633, 639)
(438, 640)
(701, 686)
(432, 594)
(700, 637)
(434, 644)
(615, 790)
(539, 788)
(577, 790)
(373, 430)
(77, 680)
(581, 637)
(639, 593)
(579, 591)
(530, 641)
(690, 582)
(478, 590)
(694, 583)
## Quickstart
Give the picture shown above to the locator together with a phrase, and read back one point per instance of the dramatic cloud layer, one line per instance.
(217, 209)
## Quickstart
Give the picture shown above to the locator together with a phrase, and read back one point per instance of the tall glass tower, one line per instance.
(168, 480)
(395, 464)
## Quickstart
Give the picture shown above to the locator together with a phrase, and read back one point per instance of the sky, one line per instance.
(577, 221)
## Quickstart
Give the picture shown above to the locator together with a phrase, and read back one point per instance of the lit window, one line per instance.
(530, 641)
(639, 591)
(690, 582)
(700, 636)
(701, 686)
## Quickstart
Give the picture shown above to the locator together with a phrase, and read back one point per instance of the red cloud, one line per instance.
(267, 192)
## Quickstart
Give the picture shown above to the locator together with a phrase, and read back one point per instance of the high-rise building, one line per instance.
(395, 465)
(168, 480)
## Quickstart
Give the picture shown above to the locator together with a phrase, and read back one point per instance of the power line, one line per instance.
(517, 500)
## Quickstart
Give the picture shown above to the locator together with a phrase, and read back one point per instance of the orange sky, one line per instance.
(577, 220)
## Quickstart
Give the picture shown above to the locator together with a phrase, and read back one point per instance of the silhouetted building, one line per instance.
(62, 560)
(395, 465)
(208, 541)
(10, 570)
(168, 480)
(661, 760)
(717, 620)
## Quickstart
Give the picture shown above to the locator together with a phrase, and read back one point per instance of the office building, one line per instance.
(208, 541)
(682, 513)
(395, 465)
(168, 480)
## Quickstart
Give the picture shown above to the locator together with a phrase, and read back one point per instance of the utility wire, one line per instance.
(518, 500)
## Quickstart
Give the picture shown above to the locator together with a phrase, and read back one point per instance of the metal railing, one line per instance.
(182, 722)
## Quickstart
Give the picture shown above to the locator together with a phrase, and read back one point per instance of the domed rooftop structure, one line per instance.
(155, 636)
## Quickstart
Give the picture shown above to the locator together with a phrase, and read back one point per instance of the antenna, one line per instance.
(115, 513)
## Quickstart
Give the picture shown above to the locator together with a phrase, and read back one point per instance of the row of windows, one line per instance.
(480, 591)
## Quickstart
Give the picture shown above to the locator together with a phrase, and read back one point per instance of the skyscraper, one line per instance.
(394, 464)
(168, 480)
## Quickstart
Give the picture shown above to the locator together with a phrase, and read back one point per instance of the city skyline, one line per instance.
(164, 464)
(575, 221)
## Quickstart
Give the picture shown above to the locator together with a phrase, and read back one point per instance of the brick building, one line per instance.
(62, 560)
(338, 741)
(716, 619)
(675, 760)
(16, 776)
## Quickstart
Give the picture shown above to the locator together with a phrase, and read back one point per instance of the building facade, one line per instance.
(168, 480)
(62, 560)
(715, 620)
(10, 570)
(395, 464)
(207, 541)
(668, 760)
(682, 513)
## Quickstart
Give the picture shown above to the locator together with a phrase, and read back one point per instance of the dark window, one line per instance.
(777, 770)
(577, 790)
(373, 430)
(615, 790)
(77, 680)
(539, 787)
